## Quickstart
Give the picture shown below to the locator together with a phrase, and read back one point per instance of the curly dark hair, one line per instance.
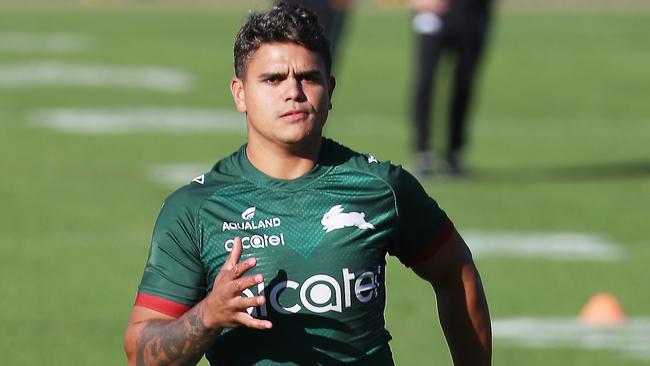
(282, 23)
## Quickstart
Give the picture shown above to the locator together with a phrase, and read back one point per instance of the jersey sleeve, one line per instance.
(174, 277)
(423, 227)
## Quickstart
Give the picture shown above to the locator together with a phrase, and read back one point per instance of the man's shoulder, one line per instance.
(346, 159)
(201, 187)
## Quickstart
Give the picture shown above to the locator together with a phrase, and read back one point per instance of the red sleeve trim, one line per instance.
(436, 244)
(160, 304)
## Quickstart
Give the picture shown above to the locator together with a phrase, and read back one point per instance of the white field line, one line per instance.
(88, 75)
(175, 175)
(554, 246)
(143, 119)
(35, 42)
(631, 339)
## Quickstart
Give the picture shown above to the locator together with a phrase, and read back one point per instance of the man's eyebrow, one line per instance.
(309, 74)
(273, 75)
(312, 74)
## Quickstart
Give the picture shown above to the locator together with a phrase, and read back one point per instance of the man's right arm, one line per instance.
(153, 338)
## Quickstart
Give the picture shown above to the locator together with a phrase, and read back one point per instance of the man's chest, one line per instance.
(337, 238)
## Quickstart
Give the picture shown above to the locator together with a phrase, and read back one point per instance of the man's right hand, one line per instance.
(225, 307)
(154, 338)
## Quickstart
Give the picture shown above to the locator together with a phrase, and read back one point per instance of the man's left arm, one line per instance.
(462, 306)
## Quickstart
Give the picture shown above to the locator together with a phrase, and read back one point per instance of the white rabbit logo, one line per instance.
(335, 218)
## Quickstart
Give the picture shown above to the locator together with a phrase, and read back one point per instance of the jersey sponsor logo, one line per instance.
(251, 225)
(248, 213)
(200, 179)
(335, 219)
(256, 241)
(371, 159)
(319, 293)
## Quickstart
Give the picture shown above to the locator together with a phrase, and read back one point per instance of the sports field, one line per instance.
(105, 109)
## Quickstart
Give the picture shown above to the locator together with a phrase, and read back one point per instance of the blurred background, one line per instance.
(107, 106)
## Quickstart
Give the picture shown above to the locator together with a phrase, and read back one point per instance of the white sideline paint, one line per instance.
(64, 74)
(554, 246)
(631, 339)
(53, 42)
(143, 119)
(176, 175)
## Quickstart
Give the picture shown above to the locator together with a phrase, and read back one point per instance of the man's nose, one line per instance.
(294, 89)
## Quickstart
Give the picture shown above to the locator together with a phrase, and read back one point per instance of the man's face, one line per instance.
(285, 93)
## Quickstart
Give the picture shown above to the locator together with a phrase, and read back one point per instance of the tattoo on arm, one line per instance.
(178, 342)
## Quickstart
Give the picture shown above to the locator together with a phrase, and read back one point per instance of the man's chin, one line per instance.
(302, 140)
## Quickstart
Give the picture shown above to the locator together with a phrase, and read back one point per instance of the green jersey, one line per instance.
(319, 240)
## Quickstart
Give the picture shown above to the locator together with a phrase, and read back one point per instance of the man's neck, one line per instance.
(281, 162)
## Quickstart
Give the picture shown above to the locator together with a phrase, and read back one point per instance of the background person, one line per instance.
(460, 27)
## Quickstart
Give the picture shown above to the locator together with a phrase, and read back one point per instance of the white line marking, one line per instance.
(59, 73)
(631, 339)
(55, 42)
(144, 119)
(175, 175)
(555, 246)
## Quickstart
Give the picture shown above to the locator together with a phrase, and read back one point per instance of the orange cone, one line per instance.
(603, 309)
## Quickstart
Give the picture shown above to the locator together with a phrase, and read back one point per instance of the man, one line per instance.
(276, 256)
(459, 26)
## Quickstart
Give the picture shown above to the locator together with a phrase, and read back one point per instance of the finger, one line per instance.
(240, 268)
(243, 283)
(250, 322)
(234, 255)
(244, 303)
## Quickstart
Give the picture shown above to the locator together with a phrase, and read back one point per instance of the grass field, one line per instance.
(560, 143)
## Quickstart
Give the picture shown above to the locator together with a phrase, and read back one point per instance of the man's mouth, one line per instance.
(294, 115)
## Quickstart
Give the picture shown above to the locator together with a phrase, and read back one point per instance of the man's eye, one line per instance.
(272, 80)
(312, 80)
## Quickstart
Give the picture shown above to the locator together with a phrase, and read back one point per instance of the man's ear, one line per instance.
(237, 90)
(331, 86)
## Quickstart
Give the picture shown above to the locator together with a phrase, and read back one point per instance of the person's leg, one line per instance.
(469, 51)
(427, 54)
(335, 28)
(428, 48)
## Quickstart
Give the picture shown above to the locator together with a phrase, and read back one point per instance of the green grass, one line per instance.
(559, 142)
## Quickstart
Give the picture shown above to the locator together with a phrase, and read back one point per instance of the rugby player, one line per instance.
(277, 254)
